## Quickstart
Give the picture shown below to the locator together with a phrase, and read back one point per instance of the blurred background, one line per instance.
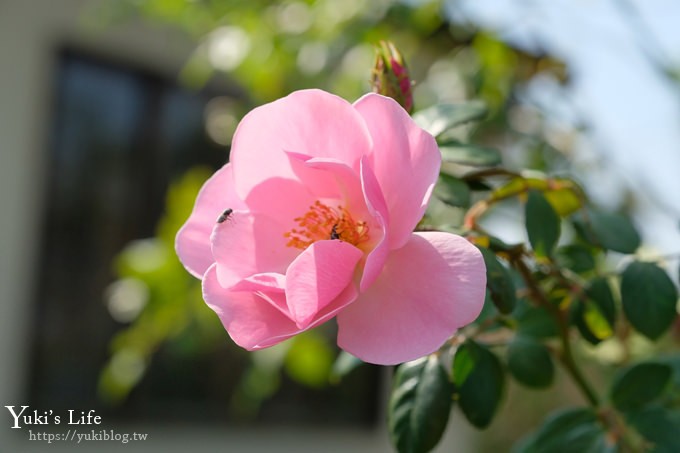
(113, 113)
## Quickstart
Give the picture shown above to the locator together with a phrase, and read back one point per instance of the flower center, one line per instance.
(322, 222)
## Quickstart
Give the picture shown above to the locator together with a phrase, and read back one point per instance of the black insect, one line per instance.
(225, 215)
(334, 232)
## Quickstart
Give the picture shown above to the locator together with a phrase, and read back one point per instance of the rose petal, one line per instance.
(317, 276)
(192, 242)
(254, 322)
(405, 160)
(310, 122)
(376, 205)
(427, 289)
(331, 178)
(251, 321)
(249, 244)
(269, 286)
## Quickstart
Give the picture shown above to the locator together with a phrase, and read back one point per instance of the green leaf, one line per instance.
(343, 365)
(452, 191)
(499, 282)
(542, 223)
(568, 431)
(674, 362)
(419, 406)
(530, 363)
(479, 379)
(576, 258)
(489, 312)
(442, 117)
(658, 425)
(639, 385)
(564, 201)
(649, 298)
(468, 154)
(596, 314)
(608, 230)
(534, 322)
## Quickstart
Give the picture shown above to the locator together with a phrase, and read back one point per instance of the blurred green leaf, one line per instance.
(607, 230)
(469, 154)
(309, 359)
(419, 406)
(542, 224)
(530, 363)
(649, 298)
(499, 282)
(343, 365)
(595, 322)
(533, 321)
(563, 201)
(442, 117)
(452, 191)
(658, 425)
(674, 362)
(640, 385)
(575, 257)
(519, 185)
(568, 431)
(596, 312)
(489, 310)
(479, 380)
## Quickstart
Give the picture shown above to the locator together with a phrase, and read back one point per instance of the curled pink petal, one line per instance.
(317, 276)
(405, 160)
(251, 321)
(376, 204)
(428, 289)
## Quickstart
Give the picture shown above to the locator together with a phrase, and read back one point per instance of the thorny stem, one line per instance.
(567, 356)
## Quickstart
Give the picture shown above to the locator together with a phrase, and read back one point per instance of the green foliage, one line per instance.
(452, 191)
(499, 282)
(530, 363)
(659, 426)
(568, 431)
(442, 117)
(575, 257)
(419, 406)
(344, 364)
(648, 394)
(649, 298)
(479, 379)
(640, 385)
(596, 311)
(309, 359)
(610, 231)
(469, 154)
(542, 224)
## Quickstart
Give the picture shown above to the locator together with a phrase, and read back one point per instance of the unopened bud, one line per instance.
(390, 75)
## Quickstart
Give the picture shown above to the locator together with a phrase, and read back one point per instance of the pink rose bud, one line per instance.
(390, 75)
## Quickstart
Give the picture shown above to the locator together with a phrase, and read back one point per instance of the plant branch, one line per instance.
(567, 356)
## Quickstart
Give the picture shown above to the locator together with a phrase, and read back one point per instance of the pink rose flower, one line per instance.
(314, 218)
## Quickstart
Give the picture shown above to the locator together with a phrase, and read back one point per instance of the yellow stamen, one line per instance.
(322, 222)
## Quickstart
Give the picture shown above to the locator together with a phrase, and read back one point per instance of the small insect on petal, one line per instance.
(225, 215)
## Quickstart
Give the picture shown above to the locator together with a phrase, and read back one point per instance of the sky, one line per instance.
(614, 50)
